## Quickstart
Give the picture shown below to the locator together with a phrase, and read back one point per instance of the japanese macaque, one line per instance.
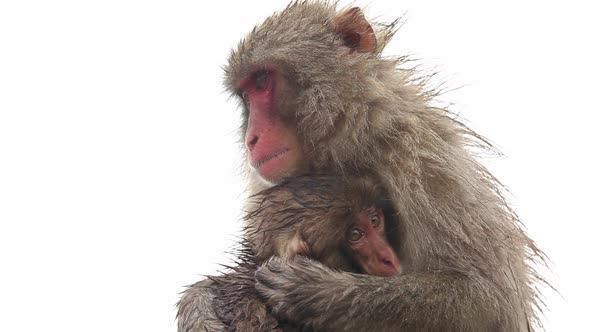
(319, 98)
(345, 229)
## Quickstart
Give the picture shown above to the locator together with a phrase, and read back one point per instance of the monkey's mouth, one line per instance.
(257, 164)
(273, 167)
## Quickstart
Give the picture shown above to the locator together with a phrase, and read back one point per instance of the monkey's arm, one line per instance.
(195, 309)
(307, 292)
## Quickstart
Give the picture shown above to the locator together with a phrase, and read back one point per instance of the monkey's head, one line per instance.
(346, 224)
(367, 243)
(309, 79)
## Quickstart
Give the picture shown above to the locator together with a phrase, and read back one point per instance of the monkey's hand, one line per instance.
(303, 291)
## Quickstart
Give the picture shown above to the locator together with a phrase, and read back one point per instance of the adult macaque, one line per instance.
(345, 229)
(318, 97)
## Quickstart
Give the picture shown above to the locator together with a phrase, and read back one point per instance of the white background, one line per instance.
(119, 159)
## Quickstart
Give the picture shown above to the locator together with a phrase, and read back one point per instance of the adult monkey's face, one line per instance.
(294, 100)
(274, 149)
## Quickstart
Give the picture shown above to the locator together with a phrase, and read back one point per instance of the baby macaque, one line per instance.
(343, 223)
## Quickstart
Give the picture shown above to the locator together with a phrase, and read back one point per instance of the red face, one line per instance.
(274, 149)
(370, 247)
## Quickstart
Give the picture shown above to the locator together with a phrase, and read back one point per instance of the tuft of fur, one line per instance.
(467, 262)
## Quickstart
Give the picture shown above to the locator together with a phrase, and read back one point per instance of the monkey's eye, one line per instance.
(354, 235)
(375, 220)
(261, 79)
(245, 97)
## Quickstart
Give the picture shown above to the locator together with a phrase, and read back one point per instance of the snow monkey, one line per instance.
(318, 97)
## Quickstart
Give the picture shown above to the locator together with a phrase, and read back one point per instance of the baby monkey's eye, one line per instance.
(375, 220)
(354, 234)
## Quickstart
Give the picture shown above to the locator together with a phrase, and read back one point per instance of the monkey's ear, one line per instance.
(355, 30)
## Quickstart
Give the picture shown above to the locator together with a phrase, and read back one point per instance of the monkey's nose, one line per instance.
(251, 142)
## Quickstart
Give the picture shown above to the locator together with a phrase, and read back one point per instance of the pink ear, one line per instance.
(355, 31)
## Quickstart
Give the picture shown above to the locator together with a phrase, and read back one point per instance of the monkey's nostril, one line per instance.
(252, 142)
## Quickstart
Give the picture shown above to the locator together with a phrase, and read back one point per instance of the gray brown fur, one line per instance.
(467, 262)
